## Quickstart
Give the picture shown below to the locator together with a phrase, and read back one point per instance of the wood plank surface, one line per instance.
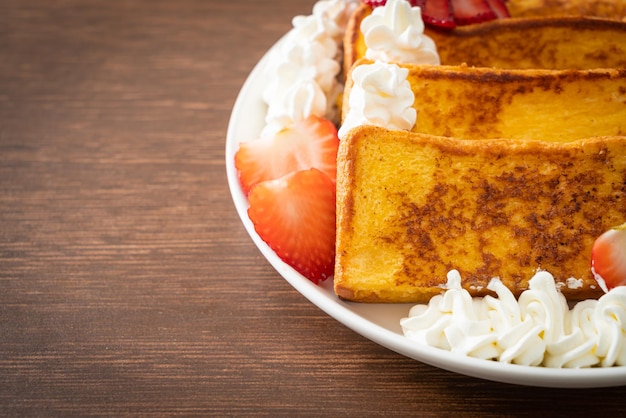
(128, 285)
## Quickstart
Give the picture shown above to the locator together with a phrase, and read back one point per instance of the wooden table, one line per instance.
(127, 283)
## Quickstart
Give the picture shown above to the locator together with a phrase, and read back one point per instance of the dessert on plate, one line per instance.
(461, 198)
(529, 193)
(491, 227)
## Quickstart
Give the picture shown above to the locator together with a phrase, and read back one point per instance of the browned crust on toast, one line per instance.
(352, 41)
(532, 41)
(614, 9)
(411, 207)
(536, 42)
(479, 103)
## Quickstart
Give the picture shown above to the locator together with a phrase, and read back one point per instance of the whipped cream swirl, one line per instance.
(303, 69)
(395, 33)
(382, 96)
(539, 329)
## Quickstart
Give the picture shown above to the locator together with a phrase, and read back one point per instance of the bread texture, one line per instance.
(353, 43)
(536, 39)
(612, 9)
(555, 43)
(517, 161)
(411, 207)
(482, 103)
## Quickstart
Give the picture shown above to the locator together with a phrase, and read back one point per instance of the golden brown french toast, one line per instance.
(411, 207)
(550, 105)
(536, 43)
(612, 9)
(537, 40)
(353, 43)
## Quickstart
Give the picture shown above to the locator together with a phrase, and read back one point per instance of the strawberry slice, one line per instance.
(295, 216)
(374, 3)
(467, 12)
(448, 14)
(499, 8)
(310, 143)
(379, 3)
(437, 13)
(608, 258)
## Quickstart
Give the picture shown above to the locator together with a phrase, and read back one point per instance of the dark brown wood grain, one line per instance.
(128, 286)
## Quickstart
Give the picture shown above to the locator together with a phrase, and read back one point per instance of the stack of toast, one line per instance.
(516, 163)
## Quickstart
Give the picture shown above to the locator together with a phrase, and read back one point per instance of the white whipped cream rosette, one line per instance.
(426, 324)
(381, 96)
(395, 33)
(538, 329)
(610, 321)
(577, 348)
(545, 307)
(302, 73)
(516, 337)
(452, 321)
(469, 331)
(331, 18)
(304, 99)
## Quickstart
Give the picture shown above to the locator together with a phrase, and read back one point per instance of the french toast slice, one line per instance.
(411, 207)
(613, 9)
(534, 41)
(555, 43)
(482, 103)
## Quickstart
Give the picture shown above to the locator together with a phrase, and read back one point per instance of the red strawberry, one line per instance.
(499, 8)
(295, 216)
(378, 3)
(310, 143)
(375, 3)
(450, 13)
(437, 13)
(471, 11)
(608, 258)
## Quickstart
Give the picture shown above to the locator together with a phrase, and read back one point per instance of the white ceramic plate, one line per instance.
(381, 322)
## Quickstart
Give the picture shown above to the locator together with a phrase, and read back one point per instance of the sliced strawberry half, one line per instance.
(499, 8)
(437, 13)
(374, 3)
(448, 14)
(295, 216)
(467, 12)
(378, 3)
(310, 143)
(608, 258)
